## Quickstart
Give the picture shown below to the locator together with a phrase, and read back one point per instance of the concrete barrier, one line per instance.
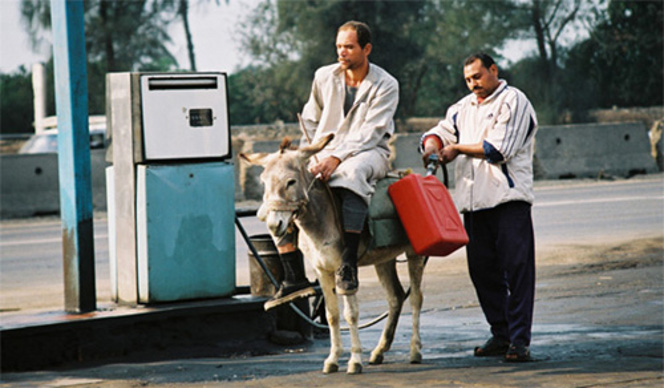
(29, 183)
(249, 181)
(593, 150)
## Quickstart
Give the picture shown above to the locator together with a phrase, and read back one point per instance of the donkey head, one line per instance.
(286, 182)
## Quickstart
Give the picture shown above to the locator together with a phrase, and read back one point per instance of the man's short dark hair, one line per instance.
(361, 29)
(485, 58)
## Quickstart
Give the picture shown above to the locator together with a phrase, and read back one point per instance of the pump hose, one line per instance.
(296, 309)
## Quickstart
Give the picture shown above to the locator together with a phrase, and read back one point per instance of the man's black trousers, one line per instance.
(501, 262)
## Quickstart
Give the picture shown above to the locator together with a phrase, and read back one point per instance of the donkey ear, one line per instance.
(259, 158)
(310, 150)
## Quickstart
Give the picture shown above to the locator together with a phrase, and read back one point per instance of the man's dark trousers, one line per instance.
(501, 262)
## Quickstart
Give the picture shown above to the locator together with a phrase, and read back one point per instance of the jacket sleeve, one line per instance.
(446, 130)
(311, 113)
(378, 113)
(515, 124)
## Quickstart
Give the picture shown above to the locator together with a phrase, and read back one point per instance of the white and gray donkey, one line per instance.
(293, 195)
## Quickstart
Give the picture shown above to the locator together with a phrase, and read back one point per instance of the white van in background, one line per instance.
(47, 141)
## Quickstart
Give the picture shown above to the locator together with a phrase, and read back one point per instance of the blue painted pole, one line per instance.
(71, 97)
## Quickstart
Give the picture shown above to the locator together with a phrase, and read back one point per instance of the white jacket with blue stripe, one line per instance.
(505, 123)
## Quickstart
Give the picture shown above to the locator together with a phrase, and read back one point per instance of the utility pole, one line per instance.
(71, 97)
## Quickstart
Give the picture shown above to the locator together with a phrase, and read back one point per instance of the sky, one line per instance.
(212, 29)
(216, 44)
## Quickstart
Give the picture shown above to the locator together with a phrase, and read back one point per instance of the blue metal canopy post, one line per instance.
(71, 92)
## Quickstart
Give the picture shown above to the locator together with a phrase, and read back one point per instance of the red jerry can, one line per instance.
(428, 214)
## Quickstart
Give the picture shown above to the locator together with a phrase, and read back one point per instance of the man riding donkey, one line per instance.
(355, 100)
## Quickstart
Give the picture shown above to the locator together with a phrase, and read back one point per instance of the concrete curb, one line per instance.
(39, 340)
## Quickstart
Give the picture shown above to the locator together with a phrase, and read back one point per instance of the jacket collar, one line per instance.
(502, 85)
(365, 85)
(366, 82)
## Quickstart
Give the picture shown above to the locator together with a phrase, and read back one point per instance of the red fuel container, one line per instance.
(428, 215)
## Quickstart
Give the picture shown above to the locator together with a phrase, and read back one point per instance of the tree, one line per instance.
(622, 63)
(181, 10)
(453, 30)
(128, 36)
(552, 24)
(265, 95)
(16, 109)
(276, 86)
(421, 43)
(550, 18)
(119, 35)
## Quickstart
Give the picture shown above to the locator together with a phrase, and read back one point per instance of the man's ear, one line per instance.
(494, 70)
(367, 49)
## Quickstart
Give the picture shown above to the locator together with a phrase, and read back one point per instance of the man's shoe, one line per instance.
(518, 353)
(493, 347)
(346, 280)
(288, 293)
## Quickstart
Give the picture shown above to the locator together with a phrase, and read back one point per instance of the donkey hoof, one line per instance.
(330, 368)
(376, 360)
(416, 358)
(354, 368)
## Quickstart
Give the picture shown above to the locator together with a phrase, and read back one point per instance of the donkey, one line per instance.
(294, 196)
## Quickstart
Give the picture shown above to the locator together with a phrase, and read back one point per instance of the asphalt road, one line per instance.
(586, 212)
(565, 212)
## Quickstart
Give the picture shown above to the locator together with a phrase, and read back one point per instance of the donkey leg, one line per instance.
(387, 274)
(352, 315)
(326, 280)
(415, 271)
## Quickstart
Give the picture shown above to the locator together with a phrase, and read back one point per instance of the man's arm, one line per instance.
(311, 113)
(450, 152)
(515, 124)
(444, 133)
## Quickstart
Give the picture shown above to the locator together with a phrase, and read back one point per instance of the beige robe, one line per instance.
(361, 136)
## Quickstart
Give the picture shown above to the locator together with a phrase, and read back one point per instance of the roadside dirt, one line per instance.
(560, 269)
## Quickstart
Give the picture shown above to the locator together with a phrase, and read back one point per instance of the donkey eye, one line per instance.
(290, 182)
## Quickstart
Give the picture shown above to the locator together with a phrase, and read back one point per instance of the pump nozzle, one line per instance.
(432, 166)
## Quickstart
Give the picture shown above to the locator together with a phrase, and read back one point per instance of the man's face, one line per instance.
(350, 54)
(480, 80)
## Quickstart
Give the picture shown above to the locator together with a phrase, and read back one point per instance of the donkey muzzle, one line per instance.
(278, 222)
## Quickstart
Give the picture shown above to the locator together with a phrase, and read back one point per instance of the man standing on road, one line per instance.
(490, 133)
(356, 101)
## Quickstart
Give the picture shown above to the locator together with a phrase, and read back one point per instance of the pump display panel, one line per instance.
(185, 116)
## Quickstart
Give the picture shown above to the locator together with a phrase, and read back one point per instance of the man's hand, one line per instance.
(431, 146)
(325, 168)
(449, 153)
